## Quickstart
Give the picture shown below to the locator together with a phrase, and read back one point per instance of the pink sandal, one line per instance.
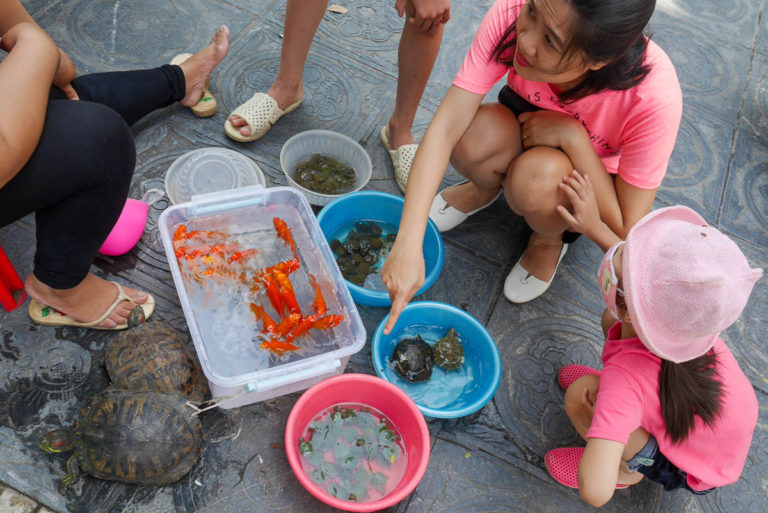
(570, 373)
(563, 464)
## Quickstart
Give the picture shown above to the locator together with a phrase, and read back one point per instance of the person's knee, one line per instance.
(117, 145)
(574, 396)
(490, 141)
(532, 180)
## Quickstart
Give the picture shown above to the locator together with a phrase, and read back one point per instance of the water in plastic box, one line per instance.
(221, 306)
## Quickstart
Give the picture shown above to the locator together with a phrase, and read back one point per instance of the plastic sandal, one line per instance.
(261, 112)
(447, 217)
(520, 286)
(44, 314)
(563, 466)
(570, 373)
(402, 158)
(206, 107)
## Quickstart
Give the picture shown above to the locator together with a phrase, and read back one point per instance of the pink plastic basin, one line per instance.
(377, 393)
(128, 228)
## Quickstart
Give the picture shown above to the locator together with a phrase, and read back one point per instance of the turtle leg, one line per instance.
(73, 472)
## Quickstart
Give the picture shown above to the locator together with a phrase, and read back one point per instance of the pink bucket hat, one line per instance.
(684, 282)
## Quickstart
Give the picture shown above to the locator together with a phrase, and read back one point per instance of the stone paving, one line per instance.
(487, 462)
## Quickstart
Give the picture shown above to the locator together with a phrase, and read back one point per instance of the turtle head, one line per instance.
(56, 441)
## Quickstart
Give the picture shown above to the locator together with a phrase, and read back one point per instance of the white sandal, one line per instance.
(260, 113)
(447, 217)
(521, 286)
(402, 158)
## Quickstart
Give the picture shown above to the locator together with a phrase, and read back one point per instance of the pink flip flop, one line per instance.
(563, 465)
(570, 373)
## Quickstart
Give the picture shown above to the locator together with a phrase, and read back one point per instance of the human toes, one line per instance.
(237, 121)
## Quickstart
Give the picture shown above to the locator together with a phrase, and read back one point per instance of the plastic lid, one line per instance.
(210, 170)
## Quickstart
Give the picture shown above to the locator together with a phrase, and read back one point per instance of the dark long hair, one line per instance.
(608, 31)
(688, 389)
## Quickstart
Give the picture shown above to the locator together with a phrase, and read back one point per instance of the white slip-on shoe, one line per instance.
(521, 286)
(447, 217)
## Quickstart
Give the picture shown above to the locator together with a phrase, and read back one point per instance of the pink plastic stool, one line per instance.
(12, 294)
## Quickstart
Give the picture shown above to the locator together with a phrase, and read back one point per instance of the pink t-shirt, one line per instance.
(628, 398)
(633, 131)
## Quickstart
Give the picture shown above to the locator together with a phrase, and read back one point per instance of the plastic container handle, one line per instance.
(215, 202)
(309, 372)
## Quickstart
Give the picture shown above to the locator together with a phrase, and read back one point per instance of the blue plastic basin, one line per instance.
(447, 394)
(384, 208)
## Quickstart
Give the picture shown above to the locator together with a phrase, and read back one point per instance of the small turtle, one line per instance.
(449, 354)
(146, 438)
(413, 359)
(154, 358)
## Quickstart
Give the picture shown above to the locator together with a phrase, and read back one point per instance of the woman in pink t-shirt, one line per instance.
(671, 403)
(585, 90)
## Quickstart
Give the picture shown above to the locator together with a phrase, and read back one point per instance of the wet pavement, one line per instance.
(489, 461)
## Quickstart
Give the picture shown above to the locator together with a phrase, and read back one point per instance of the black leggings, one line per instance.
(78, 177)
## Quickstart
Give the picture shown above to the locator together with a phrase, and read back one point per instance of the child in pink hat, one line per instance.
(671, 403)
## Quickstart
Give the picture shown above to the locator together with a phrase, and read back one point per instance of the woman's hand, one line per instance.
(403, 274)
(64, 75)
(548, 128)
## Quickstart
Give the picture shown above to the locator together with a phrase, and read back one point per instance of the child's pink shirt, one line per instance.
(628, 398)
(633, 131)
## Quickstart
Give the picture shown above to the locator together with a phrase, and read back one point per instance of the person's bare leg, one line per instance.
(531, 189)
(416, 57)
(483, 155)
(636, 442)
(198, 68)
(302, 17)
(579, 405)
(87, 301)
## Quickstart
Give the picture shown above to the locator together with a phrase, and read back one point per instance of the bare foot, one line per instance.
(540, 257)
(467, 197)
(87, 301)
(197, 69)
(285, 96)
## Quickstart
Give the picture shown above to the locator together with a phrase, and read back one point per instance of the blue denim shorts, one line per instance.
(655, 466)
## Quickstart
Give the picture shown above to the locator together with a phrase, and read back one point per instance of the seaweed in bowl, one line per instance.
(325, 174)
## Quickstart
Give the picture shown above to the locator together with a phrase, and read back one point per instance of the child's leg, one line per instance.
(636, 442)
(579, 405)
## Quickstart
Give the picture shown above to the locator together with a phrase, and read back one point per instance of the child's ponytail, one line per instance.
(688, 389)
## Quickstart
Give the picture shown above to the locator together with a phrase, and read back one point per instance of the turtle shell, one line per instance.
(146, 438)
(153, 357)
(413, 359)
(449, 353)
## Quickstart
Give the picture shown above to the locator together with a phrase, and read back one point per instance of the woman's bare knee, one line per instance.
(489, 144)
(533, 179)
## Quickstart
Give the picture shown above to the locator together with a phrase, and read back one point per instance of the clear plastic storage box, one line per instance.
(228, 239)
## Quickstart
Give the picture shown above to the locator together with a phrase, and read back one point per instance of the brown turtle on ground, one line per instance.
(145, 438)
(155, 358)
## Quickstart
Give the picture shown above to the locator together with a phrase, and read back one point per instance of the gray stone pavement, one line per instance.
(492, 460)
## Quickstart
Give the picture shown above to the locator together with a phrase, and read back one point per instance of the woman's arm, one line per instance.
(25, 79)
(403, 271)
(599, 470)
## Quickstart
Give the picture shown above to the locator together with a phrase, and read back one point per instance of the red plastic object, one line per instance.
(379, 394)
(12, 294)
